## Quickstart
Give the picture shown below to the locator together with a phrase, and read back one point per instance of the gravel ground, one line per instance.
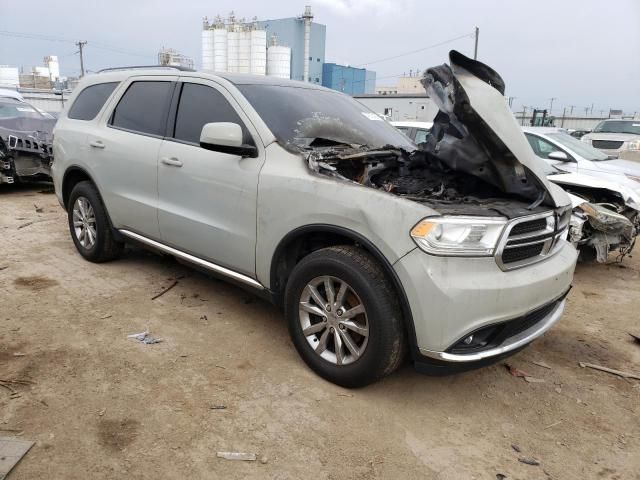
(102, 405)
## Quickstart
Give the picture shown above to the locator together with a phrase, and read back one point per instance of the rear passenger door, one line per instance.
(124, 152)
(207, 200)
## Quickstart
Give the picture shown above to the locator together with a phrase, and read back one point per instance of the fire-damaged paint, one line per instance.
(25, 142)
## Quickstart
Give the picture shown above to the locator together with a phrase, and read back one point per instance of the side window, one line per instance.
(421, 136)
(90, 100)
(200, 104)
(541, 147)
(143, 108)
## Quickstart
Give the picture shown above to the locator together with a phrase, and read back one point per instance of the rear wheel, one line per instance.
(89, 225)
(343, 316)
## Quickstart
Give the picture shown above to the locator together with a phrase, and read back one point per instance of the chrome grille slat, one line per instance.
(514, 251)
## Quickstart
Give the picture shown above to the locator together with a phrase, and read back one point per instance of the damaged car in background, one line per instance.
(605, 192)
(25, 142)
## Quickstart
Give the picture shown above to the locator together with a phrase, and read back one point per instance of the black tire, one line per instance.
(386, 343)
(105, 247)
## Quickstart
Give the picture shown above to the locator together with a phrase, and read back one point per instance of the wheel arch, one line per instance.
(72, 176)
(306, 239)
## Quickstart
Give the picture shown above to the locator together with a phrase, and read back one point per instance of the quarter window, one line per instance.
(143, 108)
(200, 104)
(90, 101)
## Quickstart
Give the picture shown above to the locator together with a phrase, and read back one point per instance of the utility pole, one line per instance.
(551, 104)
(591, 113)
(475, 49)
(564, 113)
(81, 45)
(586, 111)
(524, 113)
(571, 111)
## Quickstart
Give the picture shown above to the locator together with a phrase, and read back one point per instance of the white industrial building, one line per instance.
(170, 58)
(235, 46)
(9, 76)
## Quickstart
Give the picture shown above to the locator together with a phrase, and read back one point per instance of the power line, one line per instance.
(49, 38)
(466, 35)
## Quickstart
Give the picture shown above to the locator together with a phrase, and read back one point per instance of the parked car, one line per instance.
(302, 195)
(416, 131)
(25, 141)
(620, 138)
(611, 220)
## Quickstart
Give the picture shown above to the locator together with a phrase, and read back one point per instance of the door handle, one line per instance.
(97, 144)
(173, 161)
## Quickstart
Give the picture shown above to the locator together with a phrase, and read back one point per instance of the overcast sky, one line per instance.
(580, 51)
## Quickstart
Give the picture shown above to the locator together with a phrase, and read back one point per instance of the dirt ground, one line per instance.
(104, 406)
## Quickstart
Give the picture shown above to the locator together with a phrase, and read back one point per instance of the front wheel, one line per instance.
(343, 315)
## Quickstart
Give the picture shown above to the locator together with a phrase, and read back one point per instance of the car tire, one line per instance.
(363, 343)
(90, 226)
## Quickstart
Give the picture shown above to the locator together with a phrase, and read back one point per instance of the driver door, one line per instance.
(207, 200)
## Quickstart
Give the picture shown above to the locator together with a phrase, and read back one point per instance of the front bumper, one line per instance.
(453, 297)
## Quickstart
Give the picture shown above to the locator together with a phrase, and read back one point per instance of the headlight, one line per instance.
(633, 145)
(459, 236)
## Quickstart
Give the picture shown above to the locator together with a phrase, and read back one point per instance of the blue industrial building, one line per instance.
(349, 80)
(290, 33)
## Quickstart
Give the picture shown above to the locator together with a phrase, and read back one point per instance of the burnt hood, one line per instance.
(475, 131)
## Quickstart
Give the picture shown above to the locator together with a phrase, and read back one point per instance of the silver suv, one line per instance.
(372, 247)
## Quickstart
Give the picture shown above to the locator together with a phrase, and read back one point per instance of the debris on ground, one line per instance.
(11, 452)
(175, 282)
(218, 407)
(19, 354)
(541, 364)
(553, 424)
(244, 456)
(3, 268)
(635, 337)
(145, 337)
(610, 370)
(263, 459)
(516, 448)
(102, 412)
(529, 461)
(38, 209)
(105, 316)
(516, 372)
(9, 384)
(500, 476)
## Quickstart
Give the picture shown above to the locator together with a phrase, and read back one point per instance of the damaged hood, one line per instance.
(631, 196)
(476, 132)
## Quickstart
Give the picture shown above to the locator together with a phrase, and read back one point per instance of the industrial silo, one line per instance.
(207, 46)
(278, 60)
(233, 44)
(220, 48)
(244, 51)
(258, 52)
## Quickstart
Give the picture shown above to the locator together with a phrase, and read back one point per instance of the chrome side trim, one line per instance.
(198, 261)
(515, 342)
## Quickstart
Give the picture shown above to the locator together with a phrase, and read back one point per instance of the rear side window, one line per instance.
(143, 108)
(90, 101)
(200, 104)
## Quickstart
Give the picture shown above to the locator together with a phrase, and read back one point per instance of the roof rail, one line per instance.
(164, 67)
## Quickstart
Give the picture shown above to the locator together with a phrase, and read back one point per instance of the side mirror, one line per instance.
(225, 137)
(560, 156)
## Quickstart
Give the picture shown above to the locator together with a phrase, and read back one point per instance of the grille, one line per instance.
(522, 253)
(529, 240)
(607, 144)
(530, 226)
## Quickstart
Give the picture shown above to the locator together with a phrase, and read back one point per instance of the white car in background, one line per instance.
(416, 131)
(608, 216)
(620, 138)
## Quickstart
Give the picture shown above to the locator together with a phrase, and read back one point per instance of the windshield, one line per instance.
(581, 148)
(10, 108)
(305, 117)
(618, 126)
